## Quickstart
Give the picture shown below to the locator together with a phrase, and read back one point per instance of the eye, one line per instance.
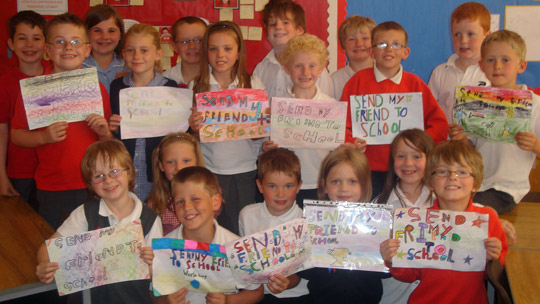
(179, 202)
(212, 49)
(400, 156)
(334, 182)
(506, 60)
(289, 186)
(130, 51)
(271, 186)
(96, 30)
(353, 181)
(144, 51)
(490, 60)
(228, 48)
(20, 38)
(170, 162)
(417, 156)
(38, 38)
(112, 30)
(457, 34)
(463, 173)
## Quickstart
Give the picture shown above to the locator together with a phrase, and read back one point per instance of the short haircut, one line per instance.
(279, 160)
(66, 18)
(472, 11)
(108, 151)
(455, 151)
(513, 39)
(389, 26)
(305, 43)
(198, 175)
(280, 8)
(358, 162)
(352, 24)
(146, 29)
(27, 17)
(186, 20)
(100, 13)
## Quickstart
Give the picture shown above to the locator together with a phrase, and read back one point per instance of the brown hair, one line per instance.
(472, 11)
(186, 20)
(27, 17)
(305, 43)
(198, 175)
(146, 29)
(279, 160)
(280, 8)
(100, 13)
(358, 162)
(513, 39)
(66, 18)
(353, 24)
(389, 26)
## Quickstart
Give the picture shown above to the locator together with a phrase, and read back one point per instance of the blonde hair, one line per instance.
(305, 43)
(198, 175)
(513, 39)
(161, 188)
(146, 29)
(352, 24)
(358, 162)
(472, 11)
(389, 26)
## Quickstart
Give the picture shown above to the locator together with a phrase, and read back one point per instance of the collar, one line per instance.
(113, 220)
(317, 92)
(379, 76)
(213, 82)
(289, 215)
(215, 239)
(451, 62)
(157, 81)
(91, 62)
(271, 56)
(436, 205)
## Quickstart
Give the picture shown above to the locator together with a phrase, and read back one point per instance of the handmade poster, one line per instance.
(314, 124)
(440, 239)
(98, 257)
(154, 111)
(284, 249)
(201, 267)
(233, 114)
(493, 114)
(378, 118)
(67, 96)
(347, 235)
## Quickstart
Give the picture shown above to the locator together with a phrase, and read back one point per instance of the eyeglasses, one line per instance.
(188, 41)
(393, 45)
(114, 174)
(447, 173)
(75, 43)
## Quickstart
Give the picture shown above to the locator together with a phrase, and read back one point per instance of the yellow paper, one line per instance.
(259, 4)
(244, 29)
(95, 2)
(255, 33)
(246, 12)
(246, 1)
(226, 14)
(165, 63)
(167, 50)
(136, 2)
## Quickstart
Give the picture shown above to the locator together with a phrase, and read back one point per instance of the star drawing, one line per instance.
(477, 222)
(400, 214)
(467, 260)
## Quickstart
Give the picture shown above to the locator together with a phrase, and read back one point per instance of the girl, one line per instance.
(233, 162)
(106, 31)
(175, 152)
(142, 53)
(344, 176)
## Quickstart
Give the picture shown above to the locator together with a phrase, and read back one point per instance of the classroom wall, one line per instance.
(427, 23)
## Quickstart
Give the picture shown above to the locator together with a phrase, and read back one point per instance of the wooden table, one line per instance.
(22, 231)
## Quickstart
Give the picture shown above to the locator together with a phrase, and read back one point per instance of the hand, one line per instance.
(493, 248)
(388, 250)
(510, 231)
(98, 124)
(216, 298)
(147, 255)
(114, 122)
(6, 188)
(456, 132)
(56, 132)
(268, 145)
(277, 283)
(45, 271)
(526, 141)
(179, 297)
(195, 120)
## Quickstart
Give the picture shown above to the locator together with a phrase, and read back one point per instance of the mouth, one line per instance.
(463, 49)
(451, 187)
(344, 197)
(280, 202)
(280, 35)
(408, 172)
(110, 188)
(221, 63)
(68, 56)
(388, 57)
(30, 53)
(190, 217)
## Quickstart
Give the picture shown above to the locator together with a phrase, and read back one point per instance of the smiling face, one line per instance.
(190, 52)
(281, 30)
(140, 53)
(342, 184)
(389, 60)
(501, 65)
(111, 190)
(222, 53)
(175, 157)
(453, 192)
(358, 44)
(28, 43)
(409, 163)
(467, 37)
(279, 191)
(104, 37)
(69, 57)
(304, 69)
(195, 207)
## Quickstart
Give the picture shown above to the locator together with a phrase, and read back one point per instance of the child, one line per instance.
(196, 196)
(469, 25)
(344, 176)
(142, 52)
(387, 76)
(507, 165)
(61, 146)
(233, 162)
(108, 171)
(175, 152)
(283, 20)
(279, 180)
(106, 29)
(187, 35)
(27, 40)
(355, 39)
(454, 171)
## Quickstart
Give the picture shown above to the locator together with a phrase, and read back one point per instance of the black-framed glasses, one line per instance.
(393, 45)
(75, 43)
(188, 41)
(447, 173)
(114, 174)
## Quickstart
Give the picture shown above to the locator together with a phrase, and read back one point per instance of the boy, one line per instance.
(387, 76)
(109, 173)
(187, 35)
(283, 20)
(60, 147)
(454, 171)
(508, 165)
(355, 39)
(27, 40)
(196, 193)
(279, 180)
(304, 59)
(469, 25)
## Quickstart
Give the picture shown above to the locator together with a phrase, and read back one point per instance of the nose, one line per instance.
(280, 191)
(498, 64)
(68, 45)
(408, 161)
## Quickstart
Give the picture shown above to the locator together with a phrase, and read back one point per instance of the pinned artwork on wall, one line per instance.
(218, 4)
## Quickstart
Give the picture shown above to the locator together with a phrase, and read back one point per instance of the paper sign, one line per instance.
(246, 12)
(98, 257)
(255, 33)
(378, 118)
(67, 96)
(200, 267)
(226, 14)
(440, 239)
(301, 123)
(233, 114)
(284, 249)
(154, 111)
(259, 4)
(492, 113)
(347, 235)
(42, 7)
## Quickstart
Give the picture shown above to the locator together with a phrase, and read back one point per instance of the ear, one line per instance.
(372, 52)
(216, 202)
(160, 166)
(406, 53)
(159, 54)
(10, 44)
(123, 53)
(88, 50)
(522, 67)
(299, 186)
(175, 48)
(286, 69)
(300, 30)
(259, 185)
(48, 49)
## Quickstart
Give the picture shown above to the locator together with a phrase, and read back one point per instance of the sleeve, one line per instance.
(241, 228)
(6, 101)
(19, 120)
(115, 95)
(348, 90)
(156, 232)
(171, 83)
(325, 83)
(106, 101)
(496, 230)
(75, 223)
(408, 275)
(434, 84)
(256, 83)
(435, 122)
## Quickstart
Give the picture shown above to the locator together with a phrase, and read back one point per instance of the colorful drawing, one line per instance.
(154, 111)
(378, 118)
(440, 239)
(284, 249)
(493, 114)
(98, 257)
(200, 267)
(301, 123)
(347, 235)
(233, 114)
(67, 96)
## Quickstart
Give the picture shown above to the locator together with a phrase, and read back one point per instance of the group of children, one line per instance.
(200, 191)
